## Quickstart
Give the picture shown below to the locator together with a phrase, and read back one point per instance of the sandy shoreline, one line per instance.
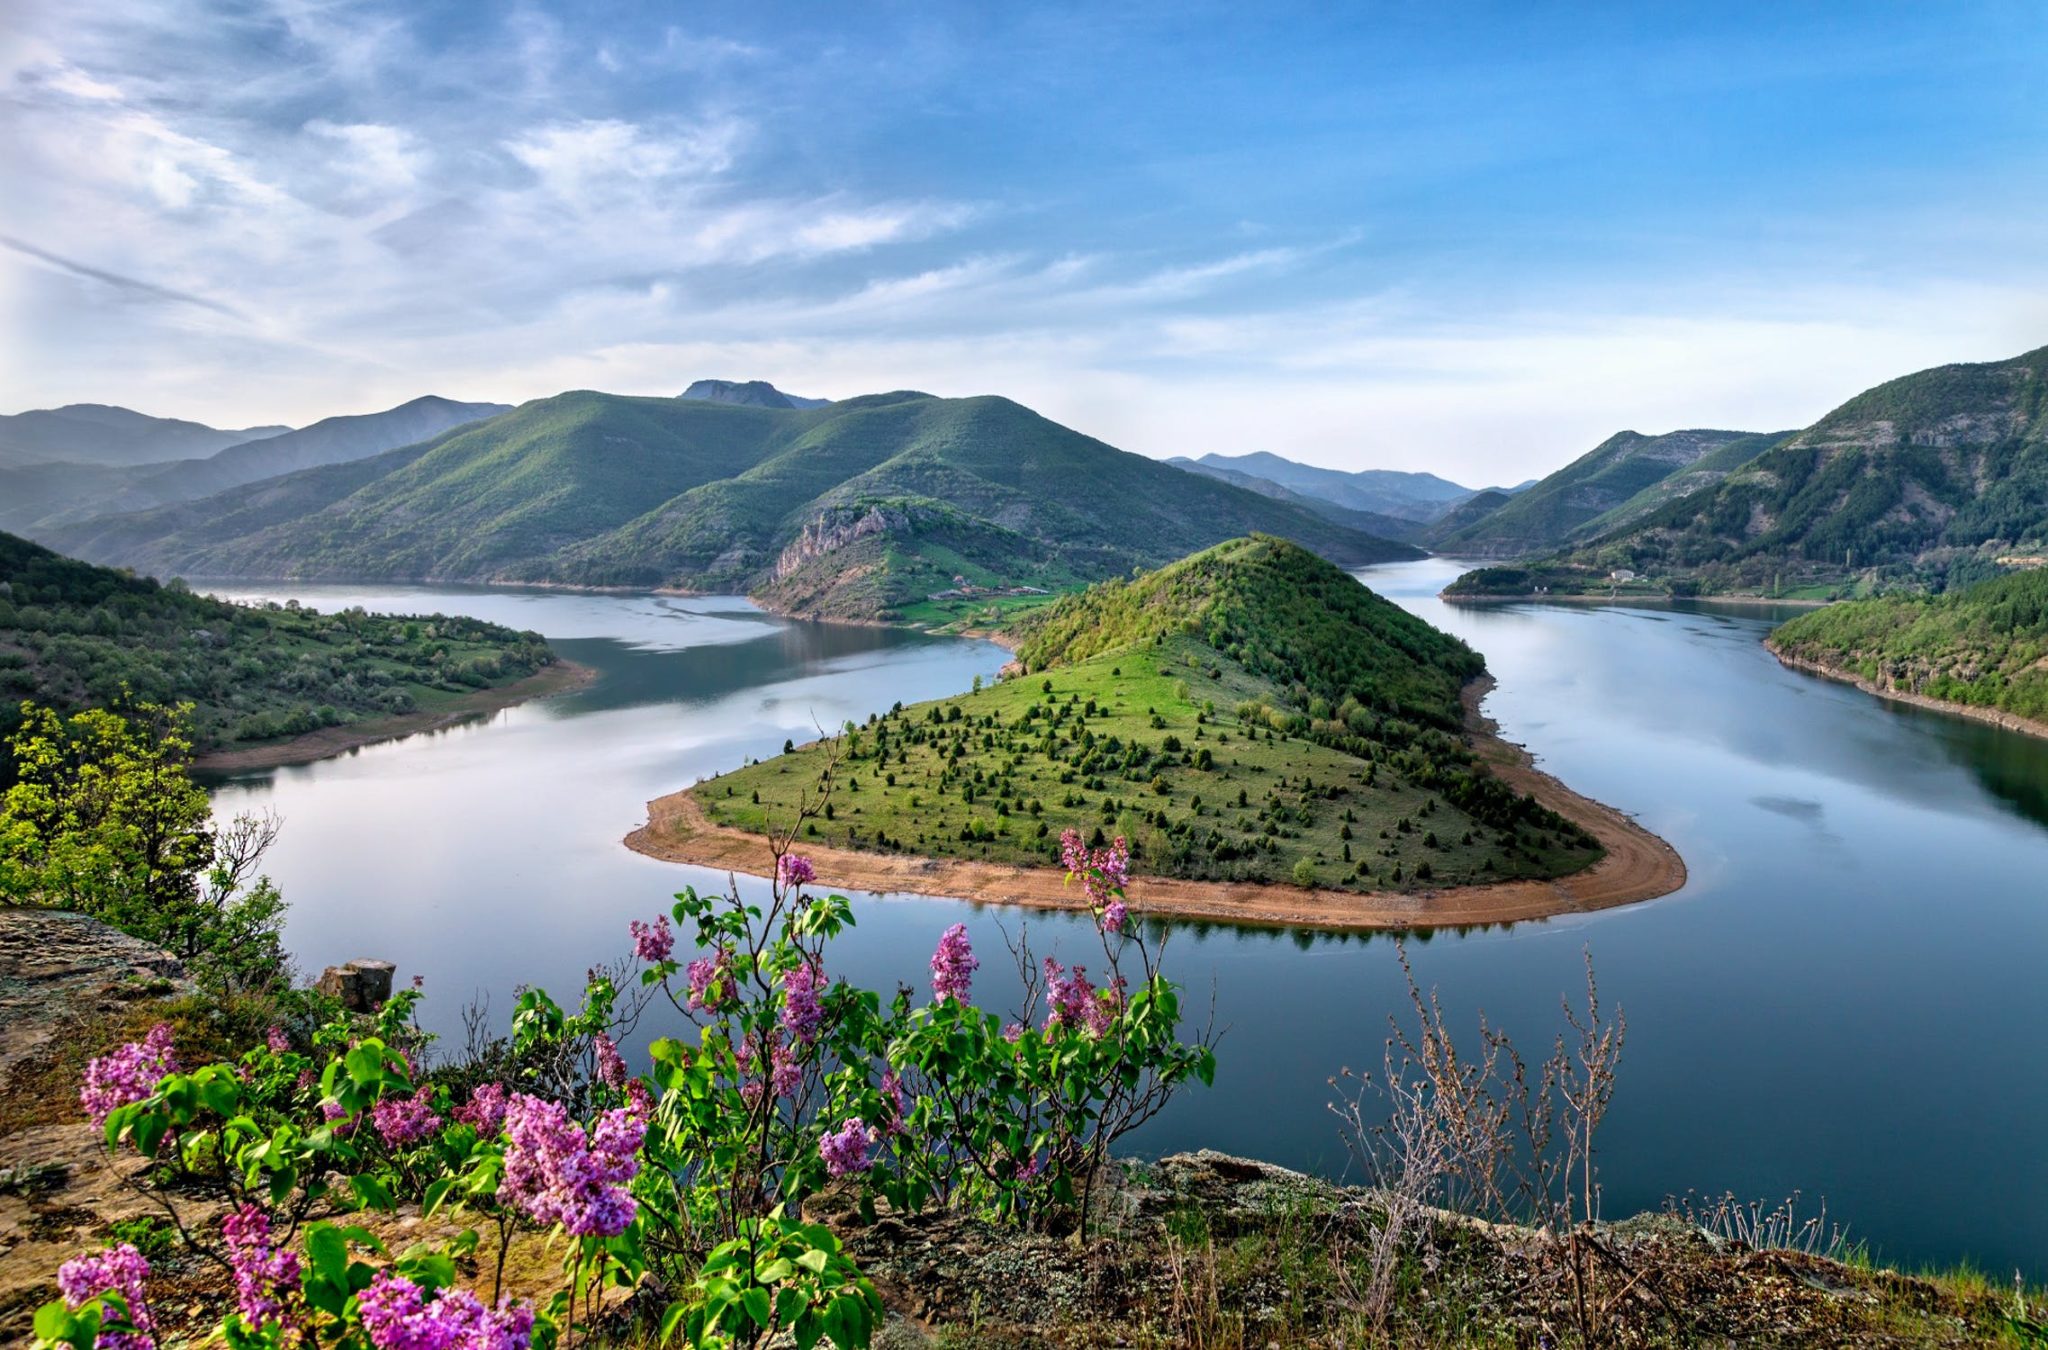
(1638, 866)
(554, 678)
(2004, 721)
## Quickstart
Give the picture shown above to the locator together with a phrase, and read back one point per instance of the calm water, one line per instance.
(1847, 1000)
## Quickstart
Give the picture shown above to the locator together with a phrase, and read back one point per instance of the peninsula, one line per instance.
(1278, 744)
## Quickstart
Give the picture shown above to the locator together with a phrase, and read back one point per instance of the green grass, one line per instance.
(1116, 747)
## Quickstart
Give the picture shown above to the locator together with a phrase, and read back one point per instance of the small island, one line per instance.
(1276, 742)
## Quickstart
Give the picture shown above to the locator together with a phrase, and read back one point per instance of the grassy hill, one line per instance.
(1922, 483)
(73, 636)
(1250, 713)
(1982, 647)
(861, 508)
(1616, 471)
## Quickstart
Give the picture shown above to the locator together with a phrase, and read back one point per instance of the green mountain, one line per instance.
(1614, 472)
(96, 433)
(1985, 646)
(1465, 514)
(1249, 713)
(1922, 483)
(38, 498)
(74, 636)
(1420, 497)
(857, 509)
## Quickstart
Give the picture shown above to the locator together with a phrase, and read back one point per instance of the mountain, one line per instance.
(96, 433)
(1559, 506)
(852, 510)
(41, 497)
(1920, 483)
(1248, 713)
(1410, 496)
(1981, 648)
(75, 636)
(1464, 515)
(1372, 522)
(750, 394)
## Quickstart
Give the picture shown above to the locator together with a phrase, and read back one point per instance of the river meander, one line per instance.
(1849, 998)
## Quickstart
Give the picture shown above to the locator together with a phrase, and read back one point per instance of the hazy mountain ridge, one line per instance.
(609, 490)
(1420, 497)
(109, 436)
(749, 394)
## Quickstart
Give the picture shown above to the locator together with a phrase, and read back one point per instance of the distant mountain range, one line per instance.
(749, 394)
(1935, 479)
(1415, 497)
(71, 486)
(852, 509)
(94, 433)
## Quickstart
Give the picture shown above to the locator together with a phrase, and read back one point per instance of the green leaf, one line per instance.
(755, 1301)
(813, 1261)
(370, 1191)
(327, 1249)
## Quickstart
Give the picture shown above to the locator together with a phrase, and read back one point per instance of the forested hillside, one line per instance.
(76, 636)
(856, 509)
(1983, 647)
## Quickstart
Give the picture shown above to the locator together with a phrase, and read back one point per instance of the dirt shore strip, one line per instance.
(2004, 721)
(555, 678)
(1638, 866)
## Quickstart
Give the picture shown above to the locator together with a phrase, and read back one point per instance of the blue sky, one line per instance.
(1470, 238)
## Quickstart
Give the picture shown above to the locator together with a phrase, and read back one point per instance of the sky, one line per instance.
(1474, 239)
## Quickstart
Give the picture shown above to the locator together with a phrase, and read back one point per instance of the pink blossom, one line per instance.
(711, 981)
(899, 1105)
(1075, 1003)
(953, 966)
(845, 1149)
(557, 1174)
(266, 1277)
(397, 1315)
(653, 942)
(277, 1041)
(1104, 873)
(794, 870)
(785, 1073)
(129, 1074)
(115, 1270)
(401, 1121)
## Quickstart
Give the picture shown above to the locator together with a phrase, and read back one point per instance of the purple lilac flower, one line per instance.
(115, 1270)
(845, 1149)
(785, 1073)
(1113, 916)
(127, 1075)
(1014, 1032)
(953, 966)
(401, 1121)
(653, 942)
(277, 1041)
(485, 1109)
(899, 1104)
(266, 1277)
(711, 982)
(611, 1065)
(1074, 1002)
(557, 1174)
(1104, 873)
(398, 1316)
(802, 1010)
(794, 870)
(334, 1114)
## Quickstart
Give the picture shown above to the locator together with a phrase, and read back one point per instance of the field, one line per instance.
(1168, 744)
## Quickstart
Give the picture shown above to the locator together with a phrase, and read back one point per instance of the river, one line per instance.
(1847, 1000)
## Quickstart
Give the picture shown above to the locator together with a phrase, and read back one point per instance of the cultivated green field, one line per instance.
(1211, 771)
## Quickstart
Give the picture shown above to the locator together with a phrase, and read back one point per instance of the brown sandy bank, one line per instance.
(1638, 866)
(2005, 721)
(554, 678)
